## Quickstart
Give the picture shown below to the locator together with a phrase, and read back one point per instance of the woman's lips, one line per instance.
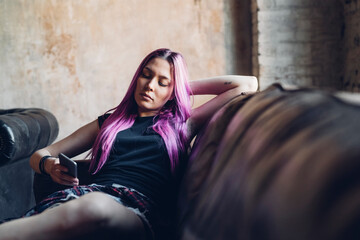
(144, 95)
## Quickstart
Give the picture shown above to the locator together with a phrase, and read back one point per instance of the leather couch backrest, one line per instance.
(281, 164)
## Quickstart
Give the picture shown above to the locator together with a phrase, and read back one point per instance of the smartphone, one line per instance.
(70, 164)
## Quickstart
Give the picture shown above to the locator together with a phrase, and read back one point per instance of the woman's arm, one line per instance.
(78, 142)
(225, 87)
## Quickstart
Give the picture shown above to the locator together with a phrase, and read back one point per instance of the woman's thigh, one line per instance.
(99, 214)
(94, 216)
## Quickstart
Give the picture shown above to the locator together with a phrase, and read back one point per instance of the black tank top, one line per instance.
(139, 160)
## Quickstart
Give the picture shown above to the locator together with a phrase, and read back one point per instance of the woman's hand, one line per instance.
(78, 142)
(58, 173)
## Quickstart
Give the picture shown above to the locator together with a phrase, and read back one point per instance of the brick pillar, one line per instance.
(298, 42)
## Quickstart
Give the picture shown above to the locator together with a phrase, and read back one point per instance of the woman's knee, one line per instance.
(89, 210)
(96, 212)
(92, 207)
(108, 214)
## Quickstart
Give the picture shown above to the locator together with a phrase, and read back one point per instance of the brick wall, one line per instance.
(298, 42)
(351, 79)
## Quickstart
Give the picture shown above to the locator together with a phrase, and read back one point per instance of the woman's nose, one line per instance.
(150, 85)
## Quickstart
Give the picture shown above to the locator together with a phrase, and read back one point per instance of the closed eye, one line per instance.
(146, 73)
(161, 83)
(145, 76)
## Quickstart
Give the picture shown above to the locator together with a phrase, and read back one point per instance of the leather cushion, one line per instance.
(23, 131)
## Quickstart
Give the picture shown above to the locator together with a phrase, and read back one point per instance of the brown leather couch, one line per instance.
(279, 164)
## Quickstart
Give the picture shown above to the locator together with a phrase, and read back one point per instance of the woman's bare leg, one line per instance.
(94, 213)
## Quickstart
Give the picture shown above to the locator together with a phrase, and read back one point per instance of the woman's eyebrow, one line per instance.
(149, 69)
(161, 76)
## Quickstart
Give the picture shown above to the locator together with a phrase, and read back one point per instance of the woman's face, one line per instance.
(154, 87)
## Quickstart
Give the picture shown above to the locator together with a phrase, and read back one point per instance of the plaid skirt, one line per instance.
(128, 197)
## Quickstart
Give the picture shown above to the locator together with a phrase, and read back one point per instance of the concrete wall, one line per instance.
(238, 36)
(76, 58)
(298, 42)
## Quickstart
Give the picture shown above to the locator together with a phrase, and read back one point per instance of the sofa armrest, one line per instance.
(23, 131)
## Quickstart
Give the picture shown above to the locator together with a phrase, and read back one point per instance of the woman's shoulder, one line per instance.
(102, 118)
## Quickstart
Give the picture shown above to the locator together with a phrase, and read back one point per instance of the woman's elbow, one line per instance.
(32, 159)
(252, 84)
(248, 84)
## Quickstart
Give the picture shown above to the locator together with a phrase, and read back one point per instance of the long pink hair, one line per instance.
(171, 119)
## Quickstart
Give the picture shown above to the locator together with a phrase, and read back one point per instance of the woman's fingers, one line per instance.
(59, 175)
(66, 179)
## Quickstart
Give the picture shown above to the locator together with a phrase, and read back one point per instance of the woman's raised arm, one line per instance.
(225, 87)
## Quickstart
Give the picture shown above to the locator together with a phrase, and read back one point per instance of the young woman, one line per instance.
(136, 151)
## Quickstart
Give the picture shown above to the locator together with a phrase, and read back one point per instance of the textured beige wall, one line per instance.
(75, 58)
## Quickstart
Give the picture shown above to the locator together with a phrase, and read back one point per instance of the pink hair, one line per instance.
(171, 119)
